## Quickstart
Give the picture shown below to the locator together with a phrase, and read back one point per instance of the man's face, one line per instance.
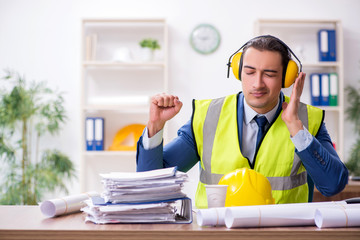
(261, 78)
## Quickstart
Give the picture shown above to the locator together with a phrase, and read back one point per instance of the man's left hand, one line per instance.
(290, 110)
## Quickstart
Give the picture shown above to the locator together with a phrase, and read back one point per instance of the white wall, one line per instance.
(41, 39)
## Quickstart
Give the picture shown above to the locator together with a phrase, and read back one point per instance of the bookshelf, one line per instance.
(301, 36)
(117, 84)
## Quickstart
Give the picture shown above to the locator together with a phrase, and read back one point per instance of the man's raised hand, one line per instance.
(163, 107)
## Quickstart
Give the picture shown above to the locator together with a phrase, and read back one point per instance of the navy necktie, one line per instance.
(261, 122)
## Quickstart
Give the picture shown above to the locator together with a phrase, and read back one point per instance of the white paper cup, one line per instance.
(216, 195)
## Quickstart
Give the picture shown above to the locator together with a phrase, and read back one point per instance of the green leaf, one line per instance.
(149, 43)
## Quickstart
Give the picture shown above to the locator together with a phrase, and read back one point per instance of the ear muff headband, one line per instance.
(292, 70)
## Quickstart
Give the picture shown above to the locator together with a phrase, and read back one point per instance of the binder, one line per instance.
(184, 213)
(324, 86)
(89, 133)
(332, 45)
(99, 134)
(315, 89)
(334, 88)
(327, 45)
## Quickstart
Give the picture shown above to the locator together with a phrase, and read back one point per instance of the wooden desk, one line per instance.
(27, 222)
(351, 190)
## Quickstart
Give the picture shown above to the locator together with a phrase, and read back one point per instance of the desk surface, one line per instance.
(27, 222)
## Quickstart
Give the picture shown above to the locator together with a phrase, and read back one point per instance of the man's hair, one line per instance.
(270, 43)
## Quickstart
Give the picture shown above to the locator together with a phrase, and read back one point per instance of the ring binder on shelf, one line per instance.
(333, 97)
(327, 45)
(315, 89)
(324, 86)
(94, 133)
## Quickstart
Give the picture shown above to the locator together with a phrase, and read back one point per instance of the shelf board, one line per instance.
(330, 108)
(104, 64)
(320, 64)
(120, 108)
(110, 153)
(297, 21)
(125, 20)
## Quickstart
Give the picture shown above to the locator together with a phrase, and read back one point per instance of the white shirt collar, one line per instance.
(250, 113)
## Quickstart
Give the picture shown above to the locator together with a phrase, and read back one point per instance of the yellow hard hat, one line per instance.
(246, 187)
(126, 138)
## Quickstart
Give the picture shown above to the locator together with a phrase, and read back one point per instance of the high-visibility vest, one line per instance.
(215, 128)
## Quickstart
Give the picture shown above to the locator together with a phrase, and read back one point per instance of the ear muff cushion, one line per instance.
(235, 65)
(291, 74)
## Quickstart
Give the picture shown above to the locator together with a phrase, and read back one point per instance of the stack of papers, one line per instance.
(161, 184)
(130, 213)
(141, 197)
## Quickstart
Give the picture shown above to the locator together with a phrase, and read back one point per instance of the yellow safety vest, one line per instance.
(215, 128)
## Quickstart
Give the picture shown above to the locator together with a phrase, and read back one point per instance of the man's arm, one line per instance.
(179, 152)
(324, 166)
(163, 107)
(319, 158)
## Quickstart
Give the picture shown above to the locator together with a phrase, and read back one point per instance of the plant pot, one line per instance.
(147, 54)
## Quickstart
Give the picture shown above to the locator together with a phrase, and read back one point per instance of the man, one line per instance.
(293, 149)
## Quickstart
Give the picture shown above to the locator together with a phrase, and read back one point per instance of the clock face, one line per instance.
(205, 39)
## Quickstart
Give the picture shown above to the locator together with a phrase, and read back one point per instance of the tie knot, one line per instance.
(261, 121)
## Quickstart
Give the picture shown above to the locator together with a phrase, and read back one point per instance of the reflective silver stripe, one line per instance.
(211, 178)
(209, 130)
(303, 115)
(287, 183)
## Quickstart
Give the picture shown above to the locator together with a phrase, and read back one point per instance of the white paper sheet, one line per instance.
(295, 214)
(338, 216)
(155, 185)
(68, 204)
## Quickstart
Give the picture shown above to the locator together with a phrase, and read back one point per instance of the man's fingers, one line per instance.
(164, 100)
(301, 79)
(169, 101)
(178, 104)
(298, 86)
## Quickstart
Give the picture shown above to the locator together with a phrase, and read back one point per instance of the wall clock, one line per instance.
(205, 38)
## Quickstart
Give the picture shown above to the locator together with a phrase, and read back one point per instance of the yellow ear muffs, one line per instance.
(235, 65)
(291, 74)
(292, 70)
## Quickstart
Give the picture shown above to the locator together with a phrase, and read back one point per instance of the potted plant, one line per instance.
(149, 46)
(353, 115)
(27, 113)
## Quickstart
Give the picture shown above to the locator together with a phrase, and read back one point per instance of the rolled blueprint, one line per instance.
(301, 214)
(211, 217)
(294, 214)
(68, 204)
(338, 216)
